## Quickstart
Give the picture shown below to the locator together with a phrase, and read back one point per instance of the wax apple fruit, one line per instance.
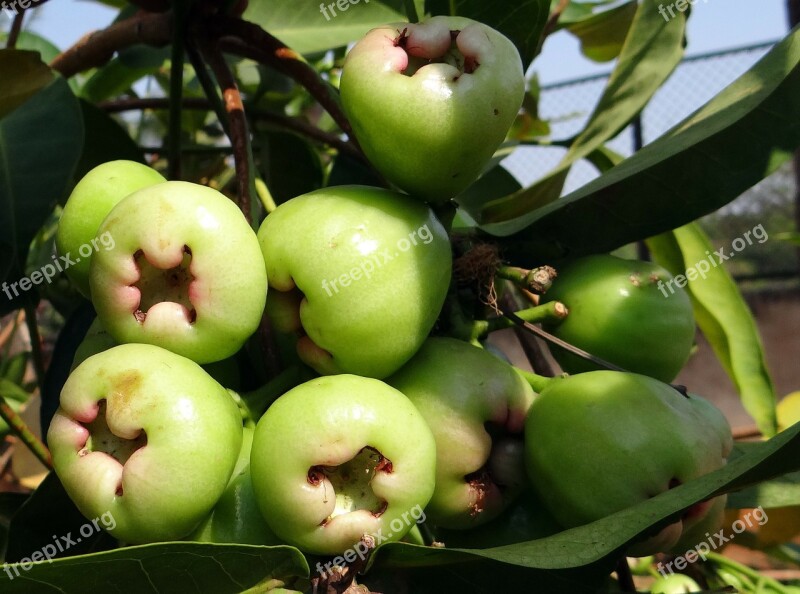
(148, 436)
(430, 102)
(340, 457)
(460, 389)
(369, 271)
(91, 200)
(186, 272)
(624, 312)
(675, 584)
(603, 441)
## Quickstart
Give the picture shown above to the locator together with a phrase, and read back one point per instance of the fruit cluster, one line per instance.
(398, 416)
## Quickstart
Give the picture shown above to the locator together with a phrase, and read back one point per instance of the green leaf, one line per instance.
(603, 541)
(305, 28)
(113, 79)
(783, 491)
(37, 43)
(651, 52)
(788, 236)
(35, 169)
(522, 22)
(23, 75)
(726, 147)
(602, 35)
(14, 396)
(105, 140)
(723, 316)
(165, 568)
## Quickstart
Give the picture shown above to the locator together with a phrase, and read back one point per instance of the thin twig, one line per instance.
(212, 100)
(624, 576)
(36, 346)
(239, 134)
(176, 92)
(249, 40)
(552, 22)
(21, 430)
(96, 49)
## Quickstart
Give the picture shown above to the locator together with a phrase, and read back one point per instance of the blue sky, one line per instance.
(715, 24)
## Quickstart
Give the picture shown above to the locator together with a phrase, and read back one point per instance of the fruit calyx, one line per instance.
(167, 283)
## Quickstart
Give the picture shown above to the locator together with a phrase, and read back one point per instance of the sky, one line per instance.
(714, 25)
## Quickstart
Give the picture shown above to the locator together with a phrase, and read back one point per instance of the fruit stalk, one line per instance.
(21, 430)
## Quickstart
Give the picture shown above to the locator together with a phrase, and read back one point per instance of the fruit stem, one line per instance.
(414, 536)
(36, 346)
(538, 281)
(537, 382)
(553, 311)
(21, 430)
(735, 567)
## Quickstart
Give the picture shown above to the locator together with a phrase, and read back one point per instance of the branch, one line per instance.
(294, 124)
(239, 134)
(552, 22)
(251, 41)
(23, 432)
(96, 49)
(16, 28)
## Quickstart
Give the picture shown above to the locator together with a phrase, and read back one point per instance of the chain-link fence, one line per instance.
(568, 106)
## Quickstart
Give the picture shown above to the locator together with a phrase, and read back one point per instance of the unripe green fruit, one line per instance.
(623, 311)
(603, 441)
(91, 200)
(430, 102)
(340, 457)
(147, 436)
(461, 390)
(186, 272)
(675, 584)
(368, 271)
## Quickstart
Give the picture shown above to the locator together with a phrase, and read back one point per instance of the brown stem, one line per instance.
(239, 134)
(249, 40)
(23, 432)
(294, 124)
(552, 22)
(624, 576)
(97, 48)
(16, 28)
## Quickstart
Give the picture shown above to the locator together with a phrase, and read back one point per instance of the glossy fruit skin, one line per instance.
(373, 268)
(432, 132)
(205, 313)
(458, 388)
(603, 441)
(675, 584)
(618, 312)
(325, 423)
(236, 517)
(193, 435)
(91, 200)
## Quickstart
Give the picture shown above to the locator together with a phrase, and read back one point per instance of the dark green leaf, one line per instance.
(35, 169)
(23, 75)
(105, 141)
(603, 34)
(289, 165)
(780, 492)
(522, 22)
(651, 52)
(706, 161)
(165, 568)
(722, 314)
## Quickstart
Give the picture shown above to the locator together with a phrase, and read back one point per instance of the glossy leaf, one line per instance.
(304, 27)
(35, 169)
(727, 146)
(23, 75)
(603, 34)
(722, 314)
(603, 541)
(651, 52)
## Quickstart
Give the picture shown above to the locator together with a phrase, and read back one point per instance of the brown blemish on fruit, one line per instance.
(479, 483)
